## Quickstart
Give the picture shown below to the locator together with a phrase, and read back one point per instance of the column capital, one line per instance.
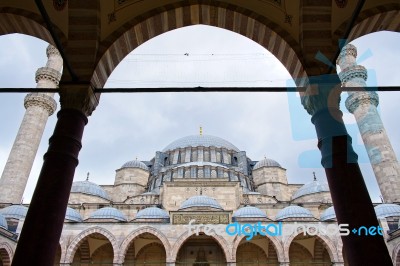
(49, 74)
(40, 99)
(357, 99)
(79, 97)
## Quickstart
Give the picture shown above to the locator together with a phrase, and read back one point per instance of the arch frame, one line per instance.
(9, 253)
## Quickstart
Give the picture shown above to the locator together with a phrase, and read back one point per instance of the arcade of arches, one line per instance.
(93, 37)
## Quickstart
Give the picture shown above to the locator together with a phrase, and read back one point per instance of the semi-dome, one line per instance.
(249, 212)
(72, 215)
(387, 210)
(294, 212)
(152, 213)
(3, 222)
(89, 188)
(200, 201)
(135, 164)
(108, 213)
(201, 140)
(311, 188)
(266, 163)
(14, 211)
(328, 214)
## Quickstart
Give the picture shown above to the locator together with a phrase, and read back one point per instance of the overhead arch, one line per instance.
(253, 26)
(14, 20)
(73, 246)
(128, 240)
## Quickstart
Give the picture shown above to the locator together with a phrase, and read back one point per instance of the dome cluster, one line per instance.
(266, 163)
(152, 213)
(294, 212)
(135, 164)
(249, 212)
(311, 188)
(14, 211)
(200, 201)
(108, 213)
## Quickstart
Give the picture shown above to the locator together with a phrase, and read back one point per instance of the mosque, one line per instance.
(188, 204)
(144, 217)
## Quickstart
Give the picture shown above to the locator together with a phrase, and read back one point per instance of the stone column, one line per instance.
(350, 197)
(363, 105)
(39, 106)
(44, 221)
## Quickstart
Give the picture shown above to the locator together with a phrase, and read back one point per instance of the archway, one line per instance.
(309, 250)
(201, 250)
(5, 254)
(145, 249)
(256, 252)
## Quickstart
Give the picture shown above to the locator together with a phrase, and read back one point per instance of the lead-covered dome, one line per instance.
(89, 188)
(328, 214)
(266, 163)
(108, 213)
(200, 201)
(294, 212)
(72, 215)
(14, 211)
(311, 188)
(249, 212)
(201, 140)
(3, 222)
(387, 210)
(152, 213)
(135, 164)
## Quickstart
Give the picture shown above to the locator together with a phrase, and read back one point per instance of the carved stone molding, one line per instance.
(78, 96)
(40, 99)
(357, 99)
(353, 72)
(49, 74)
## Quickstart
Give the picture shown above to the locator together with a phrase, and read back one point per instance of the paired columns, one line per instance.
(363, 105)
(351, 200)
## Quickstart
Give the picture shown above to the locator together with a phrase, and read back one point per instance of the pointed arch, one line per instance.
(232, 18)
(6, 253)
(120, 257)
(276, 244)
(224, 245)
(74, 245)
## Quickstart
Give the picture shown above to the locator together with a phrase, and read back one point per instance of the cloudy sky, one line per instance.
(129, 126)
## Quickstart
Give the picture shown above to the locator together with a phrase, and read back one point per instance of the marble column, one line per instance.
(351, 201)
(40, 234)
(39, 106)
(363, 105)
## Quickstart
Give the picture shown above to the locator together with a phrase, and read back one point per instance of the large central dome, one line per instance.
(201, 140)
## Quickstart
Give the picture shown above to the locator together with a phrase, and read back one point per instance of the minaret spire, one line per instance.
(39, 106)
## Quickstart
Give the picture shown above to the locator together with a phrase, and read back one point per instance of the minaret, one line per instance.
(363, 105)
(39, 106)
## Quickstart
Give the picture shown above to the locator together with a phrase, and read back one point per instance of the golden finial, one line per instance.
(87, 176)
(315, 178)
(201, 131)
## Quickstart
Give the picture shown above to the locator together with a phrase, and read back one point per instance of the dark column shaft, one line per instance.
(41, 232)
(350, 196)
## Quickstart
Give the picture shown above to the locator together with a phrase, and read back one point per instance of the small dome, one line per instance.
(135, 164)
(73, 216)
(15, 211)
(294, 212)
(3, 222)
(266, 163)
(108, 213)
(152, 213)
(311, 188)
(328, 214)
(89, 188)
(200, 201)
(249, 212)
(201, 140)
(387, 210)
